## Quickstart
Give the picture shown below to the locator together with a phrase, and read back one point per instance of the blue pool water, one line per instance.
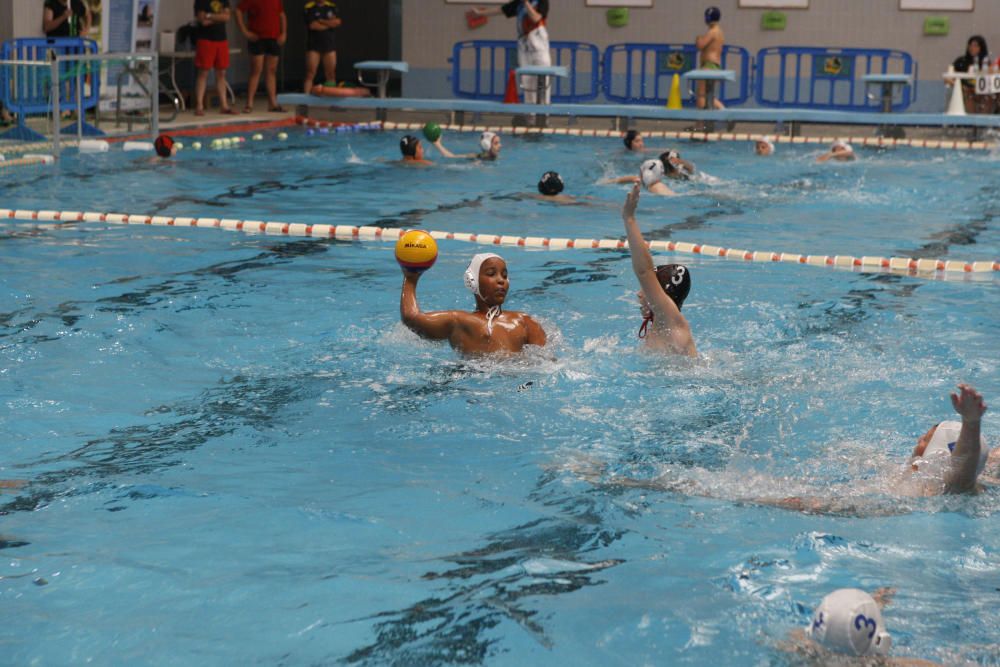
(233, 453)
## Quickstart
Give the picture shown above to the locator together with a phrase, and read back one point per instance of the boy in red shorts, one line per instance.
(265, 26)
(211, 51)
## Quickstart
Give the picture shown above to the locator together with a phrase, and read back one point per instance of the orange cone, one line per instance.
(510, 95)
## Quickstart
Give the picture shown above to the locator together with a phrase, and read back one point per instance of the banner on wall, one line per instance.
(129, 26)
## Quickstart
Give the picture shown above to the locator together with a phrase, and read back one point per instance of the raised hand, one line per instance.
(969, 403)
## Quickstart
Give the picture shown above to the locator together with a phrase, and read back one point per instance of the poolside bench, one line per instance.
(383, 69)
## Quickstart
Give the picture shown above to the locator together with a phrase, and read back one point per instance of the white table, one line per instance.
(710, 77)
(382, 69)
(887, 81)
(542, 74)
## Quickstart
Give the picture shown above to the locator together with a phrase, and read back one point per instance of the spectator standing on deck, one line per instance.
(264, 24)
(532, 41)
(66, 18)
(321, 20)
(211, 51)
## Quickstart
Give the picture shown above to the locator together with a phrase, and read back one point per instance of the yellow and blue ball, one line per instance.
(416, 250)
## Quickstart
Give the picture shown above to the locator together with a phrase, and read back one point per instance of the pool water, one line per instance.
(234, 453)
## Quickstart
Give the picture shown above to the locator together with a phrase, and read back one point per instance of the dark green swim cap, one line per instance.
(432, 131)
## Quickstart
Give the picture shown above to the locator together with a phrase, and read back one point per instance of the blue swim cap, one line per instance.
(712, 15)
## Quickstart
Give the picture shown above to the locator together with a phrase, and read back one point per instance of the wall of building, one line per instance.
(431, 27)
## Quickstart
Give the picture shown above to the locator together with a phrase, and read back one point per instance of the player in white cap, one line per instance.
(840, 151)
(488, 328)
(489, 148)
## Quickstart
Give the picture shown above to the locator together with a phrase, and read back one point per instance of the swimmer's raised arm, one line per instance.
(437, 325)
(965, 458)
(660, 303)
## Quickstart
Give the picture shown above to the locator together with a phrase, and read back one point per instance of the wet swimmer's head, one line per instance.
(938, 443)
(165, 146)
(486, 278)
(848, 621)
(551, 184)
(489, 143)
(764, 146)
(651, 172)
(634, 141)
(675, 279)
(841, 146)
(713, 15)
(672, 165)
(411, 148)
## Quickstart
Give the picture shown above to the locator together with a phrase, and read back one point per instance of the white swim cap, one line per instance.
(472, 273)
(943, 442)
(486, 140)
(651, 172)
(840, 143)
(848, 621)
(769, 141)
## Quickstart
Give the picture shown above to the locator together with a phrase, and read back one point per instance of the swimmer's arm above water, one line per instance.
(662, 305)
(618, 180)
(965, 459)
(438, 325)
(447, 153)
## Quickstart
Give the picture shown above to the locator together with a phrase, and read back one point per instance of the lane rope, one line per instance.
(706, 136)
(367, 233)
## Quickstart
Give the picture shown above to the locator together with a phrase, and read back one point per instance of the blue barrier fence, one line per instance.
(27, 89)
(829, 78)
(642, 73)
(635, 73)
(479, 70)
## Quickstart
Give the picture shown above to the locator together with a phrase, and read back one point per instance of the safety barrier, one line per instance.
(828, 78)
(479, 70)
(707, 136)
(367, 233)
(26, 85)
(642, 73)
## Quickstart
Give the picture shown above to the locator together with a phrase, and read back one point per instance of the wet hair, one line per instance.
(984, 51)
(164, 145)
(630, 136)
(713, 15)
(675, 279)
(551, 184)
(408, 146)
(671, 168)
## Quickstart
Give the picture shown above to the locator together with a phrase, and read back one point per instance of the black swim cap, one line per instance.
(408, 145)
(712, 15)
(551, 184)
(675, 279)
(164, 145)
(630, 137)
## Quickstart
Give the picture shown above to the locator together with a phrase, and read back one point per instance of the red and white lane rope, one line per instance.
(366, 233)
(706, 136)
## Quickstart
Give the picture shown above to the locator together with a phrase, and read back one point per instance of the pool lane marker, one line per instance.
(368, 233)
(707, 136)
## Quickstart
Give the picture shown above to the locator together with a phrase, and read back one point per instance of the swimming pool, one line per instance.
(235, 453)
